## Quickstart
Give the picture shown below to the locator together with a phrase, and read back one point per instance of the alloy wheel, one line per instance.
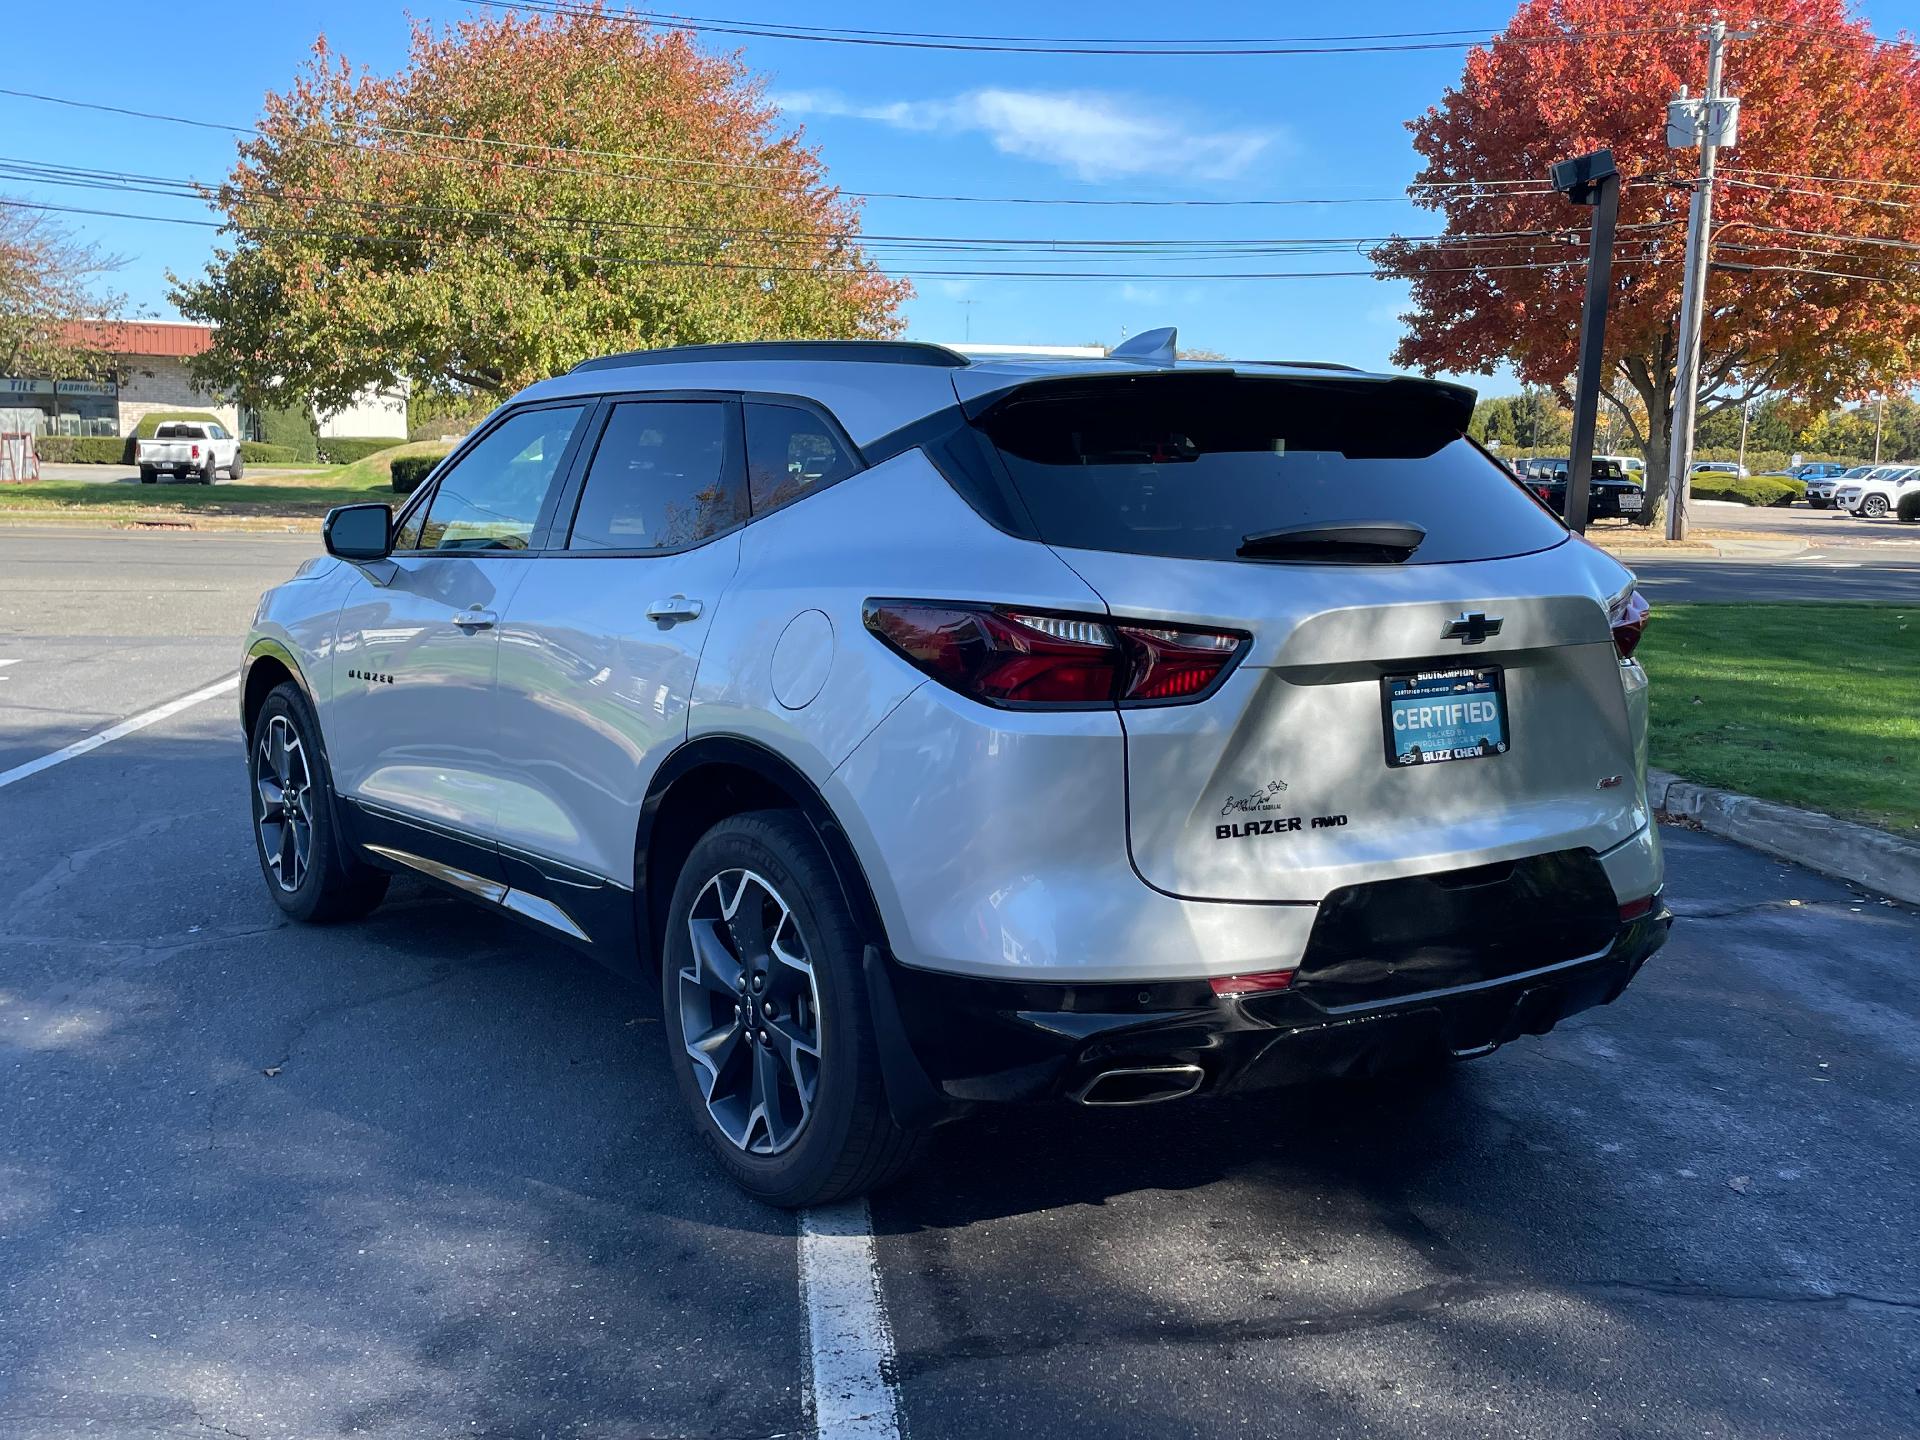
(283, 787)
(750, 1012)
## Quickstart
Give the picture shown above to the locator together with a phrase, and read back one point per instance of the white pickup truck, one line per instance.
(192, 448)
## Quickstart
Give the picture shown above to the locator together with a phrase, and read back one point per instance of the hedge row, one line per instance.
(80, 449)
(409, 470)
(345, 452)
(1750, 490)
(113, 450)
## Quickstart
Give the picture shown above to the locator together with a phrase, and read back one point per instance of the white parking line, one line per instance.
(847, 1331)
(114, 732)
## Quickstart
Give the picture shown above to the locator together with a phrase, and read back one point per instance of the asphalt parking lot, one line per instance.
(425, 1175)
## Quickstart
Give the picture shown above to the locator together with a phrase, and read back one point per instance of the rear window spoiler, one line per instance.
(1425, 414)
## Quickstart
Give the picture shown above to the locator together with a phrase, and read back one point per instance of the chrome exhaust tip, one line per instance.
(1141, 1085)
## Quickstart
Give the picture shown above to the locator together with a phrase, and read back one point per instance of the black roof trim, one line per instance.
(1305, 365)
(873, 352)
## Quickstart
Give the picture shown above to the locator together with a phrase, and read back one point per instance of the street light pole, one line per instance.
(1713, 122)
(1590, 180)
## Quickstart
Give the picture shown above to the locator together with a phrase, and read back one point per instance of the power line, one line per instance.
(911, 40)
(190, 188)
(1514, 185)
(815, 270)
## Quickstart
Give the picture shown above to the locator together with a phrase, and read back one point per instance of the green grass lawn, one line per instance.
(1810, 705)
(306, 494)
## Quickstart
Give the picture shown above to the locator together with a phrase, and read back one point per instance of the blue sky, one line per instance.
(1058, 126)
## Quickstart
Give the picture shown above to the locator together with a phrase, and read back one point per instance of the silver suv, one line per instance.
(940, 733)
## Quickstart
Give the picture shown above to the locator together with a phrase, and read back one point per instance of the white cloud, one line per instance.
(1093, 134)
(955, 289)
(1142, 294)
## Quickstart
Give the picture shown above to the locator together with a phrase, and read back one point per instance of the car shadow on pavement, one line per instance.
(418, 1174)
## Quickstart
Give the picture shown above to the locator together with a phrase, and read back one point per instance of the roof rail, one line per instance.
(1305, 364)
(877, 352)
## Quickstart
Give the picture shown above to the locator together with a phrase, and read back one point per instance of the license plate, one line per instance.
(1630, 504)
(1441, 715)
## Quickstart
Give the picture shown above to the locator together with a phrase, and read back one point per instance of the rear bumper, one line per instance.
(975, 1041)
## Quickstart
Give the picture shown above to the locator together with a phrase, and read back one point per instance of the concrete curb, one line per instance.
(1870, 858)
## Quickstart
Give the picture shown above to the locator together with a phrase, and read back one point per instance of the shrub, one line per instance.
(150, 423)
(409, 470)
(291, 427)
(80, 449)
(1910, 505)
(256, 452)
(346, 451)
(1751, 490)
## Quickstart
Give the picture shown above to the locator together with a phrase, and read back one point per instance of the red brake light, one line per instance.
(1018, 657)
(1629, 621)
(1267, 982)
(196, 452)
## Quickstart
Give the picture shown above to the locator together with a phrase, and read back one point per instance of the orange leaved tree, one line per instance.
(528, 190)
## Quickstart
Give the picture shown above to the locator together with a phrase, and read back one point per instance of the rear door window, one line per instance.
(1190, 466)
(665, 476)
(790, 452)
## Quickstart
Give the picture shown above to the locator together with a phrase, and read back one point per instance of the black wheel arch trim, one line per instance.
(750, 755)
(912, 1097)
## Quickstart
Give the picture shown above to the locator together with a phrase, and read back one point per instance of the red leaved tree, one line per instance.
(1816, 286)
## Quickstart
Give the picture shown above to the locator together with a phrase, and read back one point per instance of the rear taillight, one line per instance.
(1628, 617)
(1267, 982)
(196, 452)
(1020, 657)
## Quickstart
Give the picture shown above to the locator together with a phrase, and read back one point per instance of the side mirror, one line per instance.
(359, 532)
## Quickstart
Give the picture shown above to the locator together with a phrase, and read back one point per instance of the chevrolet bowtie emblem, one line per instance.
(1471, 628)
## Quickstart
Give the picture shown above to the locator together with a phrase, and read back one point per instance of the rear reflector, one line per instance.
(1026, 658)
(1634, 909)
(1229, 987)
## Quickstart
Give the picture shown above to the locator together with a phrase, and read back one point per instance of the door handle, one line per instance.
(678, 608)
(476, 619)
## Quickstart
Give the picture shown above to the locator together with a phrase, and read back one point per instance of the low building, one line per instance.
(152, 374)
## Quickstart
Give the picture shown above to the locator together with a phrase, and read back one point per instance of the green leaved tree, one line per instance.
(527, 191)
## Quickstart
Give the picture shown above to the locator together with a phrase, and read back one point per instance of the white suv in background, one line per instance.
(937, 733)
(1878, 493)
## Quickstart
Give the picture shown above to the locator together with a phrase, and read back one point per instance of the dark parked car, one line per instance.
(1610, 494)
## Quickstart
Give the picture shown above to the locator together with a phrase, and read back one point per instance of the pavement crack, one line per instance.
(1683, 911)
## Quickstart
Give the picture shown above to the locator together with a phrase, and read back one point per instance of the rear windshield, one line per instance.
(1190, 466)
(179, 432)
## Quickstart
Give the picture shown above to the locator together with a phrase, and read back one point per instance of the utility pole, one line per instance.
(1746, 413)
(1879, 414)
(1710, 122)
(1590, 180)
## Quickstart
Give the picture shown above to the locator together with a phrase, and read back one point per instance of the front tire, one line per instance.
(1874, 507)
(768, 1027)
(305, 861)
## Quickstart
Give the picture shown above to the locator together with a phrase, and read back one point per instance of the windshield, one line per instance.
(1190, 466)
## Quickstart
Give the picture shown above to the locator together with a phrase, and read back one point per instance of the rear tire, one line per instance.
(787, 1093)
(148, 474)
(309, 868)
(207, 474)
(236, 470)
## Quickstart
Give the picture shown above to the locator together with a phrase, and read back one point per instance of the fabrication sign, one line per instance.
(104, 389)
